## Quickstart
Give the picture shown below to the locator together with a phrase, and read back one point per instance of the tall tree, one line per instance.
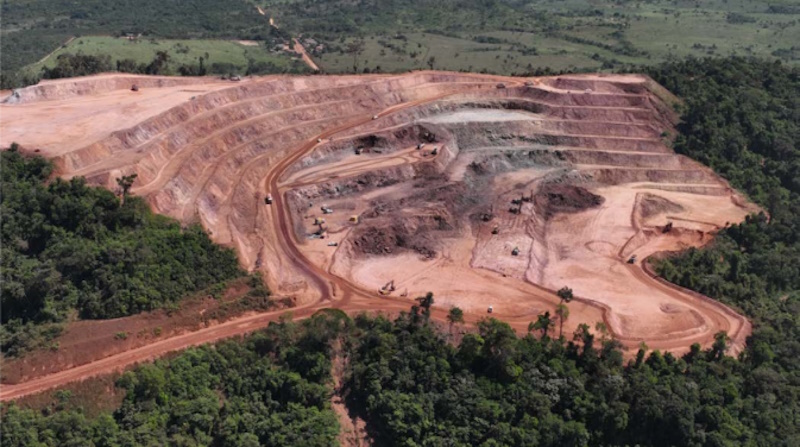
(565, 294)
(562, 311)
(355, 48)
(125, 183)
(455, 316)
(425, 302)
(543, 323)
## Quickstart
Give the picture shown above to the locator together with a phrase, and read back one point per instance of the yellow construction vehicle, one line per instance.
(387, 288)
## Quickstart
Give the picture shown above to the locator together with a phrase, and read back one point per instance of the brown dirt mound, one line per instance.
(653, 205)
(560, 198)
(400, 237)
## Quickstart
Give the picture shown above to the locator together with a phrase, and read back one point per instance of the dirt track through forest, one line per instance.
(201, 158)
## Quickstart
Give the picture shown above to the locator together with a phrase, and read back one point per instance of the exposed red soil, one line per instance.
(86, 341)
(419, 170)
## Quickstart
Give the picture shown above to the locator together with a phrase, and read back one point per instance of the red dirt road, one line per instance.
(301, 50)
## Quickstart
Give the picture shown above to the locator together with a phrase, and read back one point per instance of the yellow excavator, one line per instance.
(387, 288)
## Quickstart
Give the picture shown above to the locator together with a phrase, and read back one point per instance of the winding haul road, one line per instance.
(334, 292)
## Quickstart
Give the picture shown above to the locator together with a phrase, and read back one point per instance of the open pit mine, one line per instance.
(364, 192)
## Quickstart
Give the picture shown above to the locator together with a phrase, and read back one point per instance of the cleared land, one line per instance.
(522, 186)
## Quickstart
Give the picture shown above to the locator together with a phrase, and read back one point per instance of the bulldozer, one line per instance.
(387, 288)
(318, 221)
(632, 259)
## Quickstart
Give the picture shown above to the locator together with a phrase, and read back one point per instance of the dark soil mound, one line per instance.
(559, 198)
(411, 234)
(376, 241)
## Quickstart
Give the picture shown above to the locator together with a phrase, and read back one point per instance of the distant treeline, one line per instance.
(36, 27)
(71, 65)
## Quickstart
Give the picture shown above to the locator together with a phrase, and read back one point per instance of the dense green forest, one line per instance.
(69, 248)
(742, 118)
(494, 388)
(269, 389)
(414, 387)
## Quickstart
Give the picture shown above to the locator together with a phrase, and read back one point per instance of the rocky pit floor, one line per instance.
(573, 174)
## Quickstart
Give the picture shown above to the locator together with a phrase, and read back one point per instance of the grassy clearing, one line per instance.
(461, 54)
(181, 51)
(705, 32)
(561, 35)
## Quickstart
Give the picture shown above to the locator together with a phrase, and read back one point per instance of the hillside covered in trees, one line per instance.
(413, 387)
(71, 248)
(269, 389)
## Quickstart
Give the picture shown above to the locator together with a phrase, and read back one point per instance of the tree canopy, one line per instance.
(71, 247)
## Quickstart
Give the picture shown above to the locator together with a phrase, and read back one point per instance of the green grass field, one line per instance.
(452, 53)
(181, 52)
(573, 34)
